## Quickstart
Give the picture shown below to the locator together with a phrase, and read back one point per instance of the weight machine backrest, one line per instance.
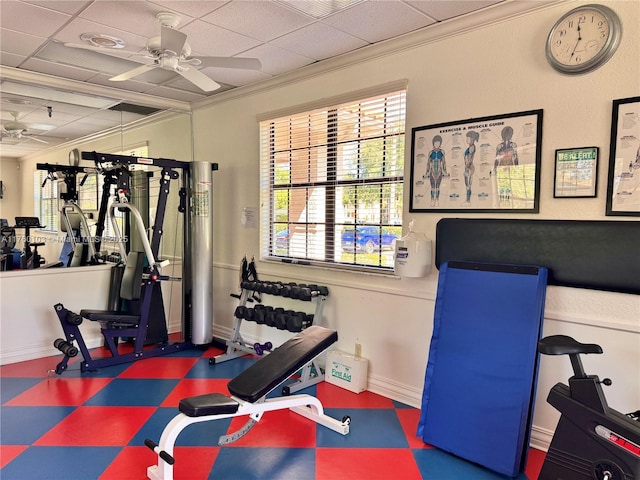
(131, 285)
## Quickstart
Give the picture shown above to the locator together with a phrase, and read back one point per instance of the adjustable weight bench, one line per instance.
(248, 397)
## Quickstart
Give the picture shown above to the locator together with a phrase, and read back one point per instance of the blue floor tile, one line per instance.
(369, 428)
(24, 425)
(259, 463)
(199, 434)
(228, 369)
(434, 463)
(134, 392)
(57, 463)
(12, 387)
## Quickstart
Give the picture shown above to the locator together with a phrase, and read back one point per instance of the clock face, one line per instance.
(583, 39)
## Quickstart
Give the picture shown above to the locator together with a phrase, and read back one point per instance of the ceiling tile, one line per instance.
(130, 16)
(445, 10)
(31, 19)
(212, 40)
(379, 20)
(58, 69)
(19, 43)
(318, 41)
(257, 19)
(175, 94)
(70, 6)
(191, 8)
(72, 32)
(10, 59)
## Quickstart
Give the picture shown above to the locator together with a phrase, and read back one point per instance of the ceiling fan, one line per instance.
(17, 130)
(170, 51)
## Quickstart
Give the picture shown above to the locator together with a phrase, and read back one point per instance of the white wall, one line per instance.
(10, 176)
(453, 73)
(500, 68)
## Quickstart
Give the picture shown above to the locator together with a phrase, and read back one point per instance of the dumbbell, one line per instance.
(298, 321)
(261, 348)
(249, 314)
(286, 289)
(261, 312)
(282, 318)
(271, 316)
(240, 311)
(65, 347)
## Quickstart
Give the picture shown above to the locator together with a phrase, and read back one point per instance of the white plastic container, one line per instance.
(346, 371)
(412, 254)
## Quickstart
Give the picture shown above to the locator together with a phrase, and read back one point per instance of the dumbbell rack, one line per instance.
(278, 318)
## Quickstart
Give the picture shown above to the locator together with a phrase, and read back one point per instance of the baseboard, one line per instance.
(34, 352)
(540, 438)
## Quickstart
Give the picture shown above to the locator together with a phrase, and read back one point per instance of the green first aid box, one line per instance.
(346, 371)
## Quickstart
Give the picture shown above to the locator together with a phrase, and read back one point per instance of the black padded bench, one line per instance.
(248, 397)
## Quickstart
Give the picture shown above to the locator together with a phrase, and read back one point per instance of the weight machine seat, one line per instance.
(564, 345)
(265, 375)
(130, 289)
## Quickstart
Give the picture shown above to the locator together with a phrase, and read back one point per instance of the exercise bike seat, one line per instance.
(564, 345)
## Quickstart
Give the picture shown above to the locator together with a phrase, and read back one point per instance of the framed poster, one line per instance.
(576, 173)
(623, 185)
(488, 164)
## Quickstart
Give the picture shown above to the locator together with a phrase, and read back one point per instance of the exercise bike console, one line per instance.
(592, 441)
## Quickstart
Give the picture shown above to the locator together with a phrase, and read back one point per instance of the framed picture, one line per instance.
(488, 164)
(623, 185)
(576, 173)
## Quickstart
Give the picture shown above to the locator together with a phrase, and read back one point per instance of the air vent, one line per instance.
(131, 108)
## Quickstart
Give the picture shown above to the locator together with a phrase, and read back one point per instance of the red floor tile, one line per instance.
(132, 463)
(193, 387)
(32, 368)
(409, 418)
(98, 426)
(9, 452)
(281, 428)
(535, 459)
(333, 396)
(366, 464)
(60, 391)
(160, 367)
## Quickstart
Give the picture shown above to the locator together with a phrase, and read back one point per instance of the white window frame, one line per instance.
(319, 235)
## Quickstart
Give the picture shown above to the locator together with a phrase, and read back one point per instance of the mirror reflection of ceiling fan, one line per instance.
(170, 51)
(17, 131)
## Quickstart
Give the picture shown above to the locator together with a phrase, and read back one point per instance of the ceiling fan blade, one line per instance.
(106, 51)
(229, 62)
(172, 40)
(35, 139)
(132, 73)
(199, 79)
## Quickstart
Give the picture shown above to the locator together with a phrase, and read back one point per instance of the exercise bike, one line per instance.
(591, 441)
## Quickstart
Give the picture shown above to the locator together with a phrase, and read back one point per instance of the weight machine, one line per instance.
(144, 320)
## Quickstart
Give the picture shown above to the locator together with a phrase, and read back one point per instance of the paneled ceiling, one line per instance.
(284, 35)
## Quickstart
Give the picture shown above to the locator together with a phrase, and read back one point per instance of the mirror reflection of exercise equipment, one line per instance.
(137, 312)
(28, 258)
(592, 441)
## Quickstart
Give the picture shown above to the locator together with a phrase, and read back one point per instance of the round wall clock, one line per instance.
(583, 39)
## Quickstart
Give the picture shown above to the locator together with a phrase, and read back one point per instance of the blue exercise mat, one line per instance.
(481, 373)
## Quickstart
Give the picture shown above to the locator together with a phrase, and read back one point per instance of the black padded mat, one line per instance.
(599, 255)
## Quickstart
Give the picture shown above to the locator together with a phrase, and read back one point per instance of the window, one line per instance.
(45, 201)
(332, 183)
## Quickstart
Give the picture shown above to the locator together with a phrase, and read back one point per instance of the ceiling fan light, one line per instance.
(102, 40)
